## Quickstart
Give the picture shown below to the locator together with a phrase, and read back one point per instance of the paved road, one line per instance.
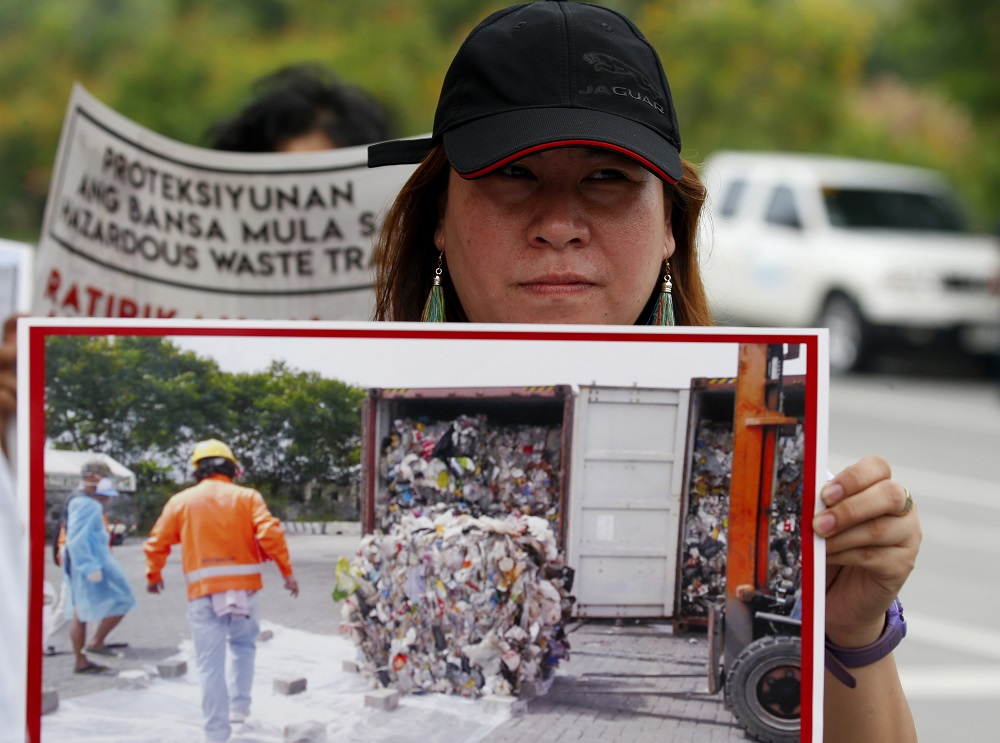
(624, 682)
(940, 429)
(159, 623)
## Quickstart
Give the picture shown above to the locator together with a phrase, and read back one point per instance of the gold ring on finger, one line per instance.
(908, 506)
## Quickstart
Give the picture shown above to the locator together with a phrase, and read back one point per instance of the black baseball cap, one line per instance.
(549, 74)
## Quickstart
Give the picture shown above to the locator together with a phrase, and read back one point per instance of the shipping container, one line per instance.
(708, 482)
(611, 464)
(634, 481)
(400, 422)
(626, 489)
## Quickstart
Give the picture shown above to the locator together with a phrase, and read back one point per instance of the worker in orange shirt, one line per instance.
(226, 533)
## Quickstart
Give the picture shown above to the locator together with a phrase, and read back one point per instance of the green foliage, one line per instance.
(145, 402)
(813, 76)
(759, 75)
(134, 398)
(156, 485)
(776, 74)
(949, 48)
(952, 46)
(294, 428)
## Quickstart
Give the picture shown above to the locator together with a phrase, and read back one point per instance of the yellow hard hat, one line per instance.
(211, 448)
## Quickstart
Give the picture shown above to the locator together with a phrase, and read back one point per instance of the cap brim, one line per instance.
(399, 152)
(478, 147)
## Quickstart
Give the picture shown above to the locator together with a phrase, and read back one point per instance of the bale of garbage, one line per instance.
(452, 603)
(785, 557)
(479, 466)
(706, 524)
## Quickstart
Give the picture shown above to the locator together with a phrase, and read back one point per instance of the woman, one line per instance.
(552, 190)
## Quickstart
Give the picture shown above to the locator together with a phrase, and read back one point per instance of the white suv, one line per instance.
(873, 251)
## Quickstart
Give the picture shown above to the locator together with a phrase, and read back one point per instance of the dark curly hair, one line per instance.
(298, 100)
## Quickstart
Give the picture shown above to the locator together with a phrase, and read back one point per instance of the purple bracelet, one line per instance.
(839, 659)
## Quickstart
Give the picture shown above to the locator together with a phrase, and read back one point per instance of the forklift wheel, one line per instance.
(763, 688)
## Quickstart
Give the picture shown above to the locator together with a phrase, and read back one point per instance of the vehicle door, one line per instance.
(779, 264)
(727, 240)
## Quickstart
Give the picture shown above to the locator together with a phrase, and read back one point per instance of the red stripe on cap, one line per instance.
(571, 143)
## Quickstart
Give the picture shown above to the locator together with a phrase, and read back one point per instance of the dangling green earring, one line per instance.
(663, 312)
(434, 306)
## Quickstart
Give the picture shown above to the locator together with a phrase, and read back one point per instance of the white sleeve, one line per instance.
(13, 612)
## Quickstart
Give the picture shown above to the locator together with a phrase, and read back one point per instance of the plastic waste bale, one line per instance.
(452, 603)
(475, 465)
(785, 560)
(706, 524)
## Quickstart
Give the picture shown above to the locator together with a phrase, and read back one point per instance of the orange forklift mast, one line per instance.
(756, 420)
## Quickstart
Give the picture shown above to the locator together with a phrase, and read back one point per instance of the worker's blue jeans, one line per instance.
(222, 692)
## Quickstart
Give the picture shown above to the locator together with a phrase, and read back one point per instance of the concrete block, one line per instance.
(305, 732)
(537, 688)
(132, 680)
(265, 635)
(171, 669)
(383, 699)
(506, 706)
(350, 666)
(289, 685)
(50, 701)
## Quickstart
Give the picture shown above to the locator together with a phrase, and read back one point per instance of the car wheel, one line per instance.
(764, 688)
(847, 333)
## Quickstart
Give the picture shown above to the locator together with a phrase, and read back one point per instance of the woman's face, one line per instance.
(573, 235)
(313, 141)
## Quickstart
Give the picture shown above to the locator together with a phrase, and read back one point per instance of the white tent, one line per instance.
(62, 470)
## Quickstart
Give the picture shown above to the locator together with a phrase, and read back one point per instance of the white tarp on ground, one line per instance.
(62, 469)
(169, 711)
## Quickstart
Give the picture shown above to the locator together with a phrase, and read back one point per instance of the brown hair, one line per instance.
(405, 257)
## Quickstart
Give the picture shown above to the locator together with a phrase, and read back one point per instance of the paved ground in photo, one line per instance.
(625, 681)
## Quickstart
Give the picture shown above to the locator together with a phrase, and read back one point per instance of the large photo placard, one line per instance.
(673, 475)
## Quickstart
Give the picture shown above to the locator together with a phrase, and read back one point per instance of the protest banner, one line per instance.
(139, 225)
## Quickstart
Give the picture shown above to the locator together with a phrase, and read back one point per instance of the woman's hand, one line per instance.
(871, 547)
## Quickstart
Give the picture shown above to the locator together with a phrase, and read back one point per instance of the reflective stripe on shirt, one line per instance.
(222, 570)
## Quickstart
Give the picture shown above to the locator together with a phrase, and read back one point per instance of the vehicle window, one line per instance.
(781, 209)
(732, 199)
(861, 208)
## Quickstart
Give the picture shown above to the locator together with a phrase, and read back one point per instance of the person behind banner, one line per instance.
(302, 108)
(552, 190)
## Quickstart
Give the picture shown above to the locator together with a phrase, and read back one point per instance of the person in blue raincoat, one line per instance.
(99, 588)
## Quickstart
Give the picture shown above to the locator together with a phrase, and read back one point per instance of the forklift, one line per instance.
(755, 646)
